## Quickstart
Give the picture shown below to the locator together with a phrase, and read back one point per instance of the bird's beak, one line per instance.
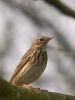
(49, 38)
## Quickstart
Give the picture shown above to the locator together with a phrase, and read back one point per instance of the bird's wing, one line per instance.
(21, 64)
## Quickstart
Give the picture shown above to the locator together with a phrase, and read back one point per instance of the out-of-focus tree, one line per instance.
(21, 21)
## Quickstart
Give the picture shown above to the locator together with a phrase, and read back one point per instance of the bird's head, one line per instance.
(41, 41)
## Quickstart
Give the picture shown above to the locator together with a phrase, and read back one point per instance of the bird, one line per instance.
(33, 63)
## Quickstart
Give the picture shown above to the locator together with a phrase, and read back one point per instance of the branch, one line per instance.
(62, 7)
(10, 92)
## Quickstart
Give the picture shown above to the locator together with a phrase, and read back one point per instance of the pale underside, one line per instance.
(30, 71)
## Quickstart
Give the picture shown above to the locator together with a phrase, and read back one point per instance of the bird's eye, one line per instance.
(41, 39)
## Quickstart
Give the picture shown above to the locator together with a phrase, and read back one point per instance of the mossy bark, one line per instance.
(11, 92)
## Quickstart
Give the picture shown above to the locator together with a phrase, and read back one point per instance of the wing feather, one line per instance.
(23, 61)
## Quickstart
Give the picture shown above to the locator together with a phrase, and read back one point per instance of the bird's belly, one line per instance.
(32, 73)
(33, 69)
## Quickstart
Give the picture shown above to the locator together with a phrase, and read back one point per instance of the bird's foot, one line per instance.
(29, 87)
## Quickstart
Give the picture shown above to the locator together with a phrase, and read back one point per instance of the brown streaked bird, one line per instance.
(32, 64)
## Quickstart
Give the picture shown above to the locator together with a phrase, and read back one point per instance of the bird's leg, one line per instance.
(29, 87)
(26, 86)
